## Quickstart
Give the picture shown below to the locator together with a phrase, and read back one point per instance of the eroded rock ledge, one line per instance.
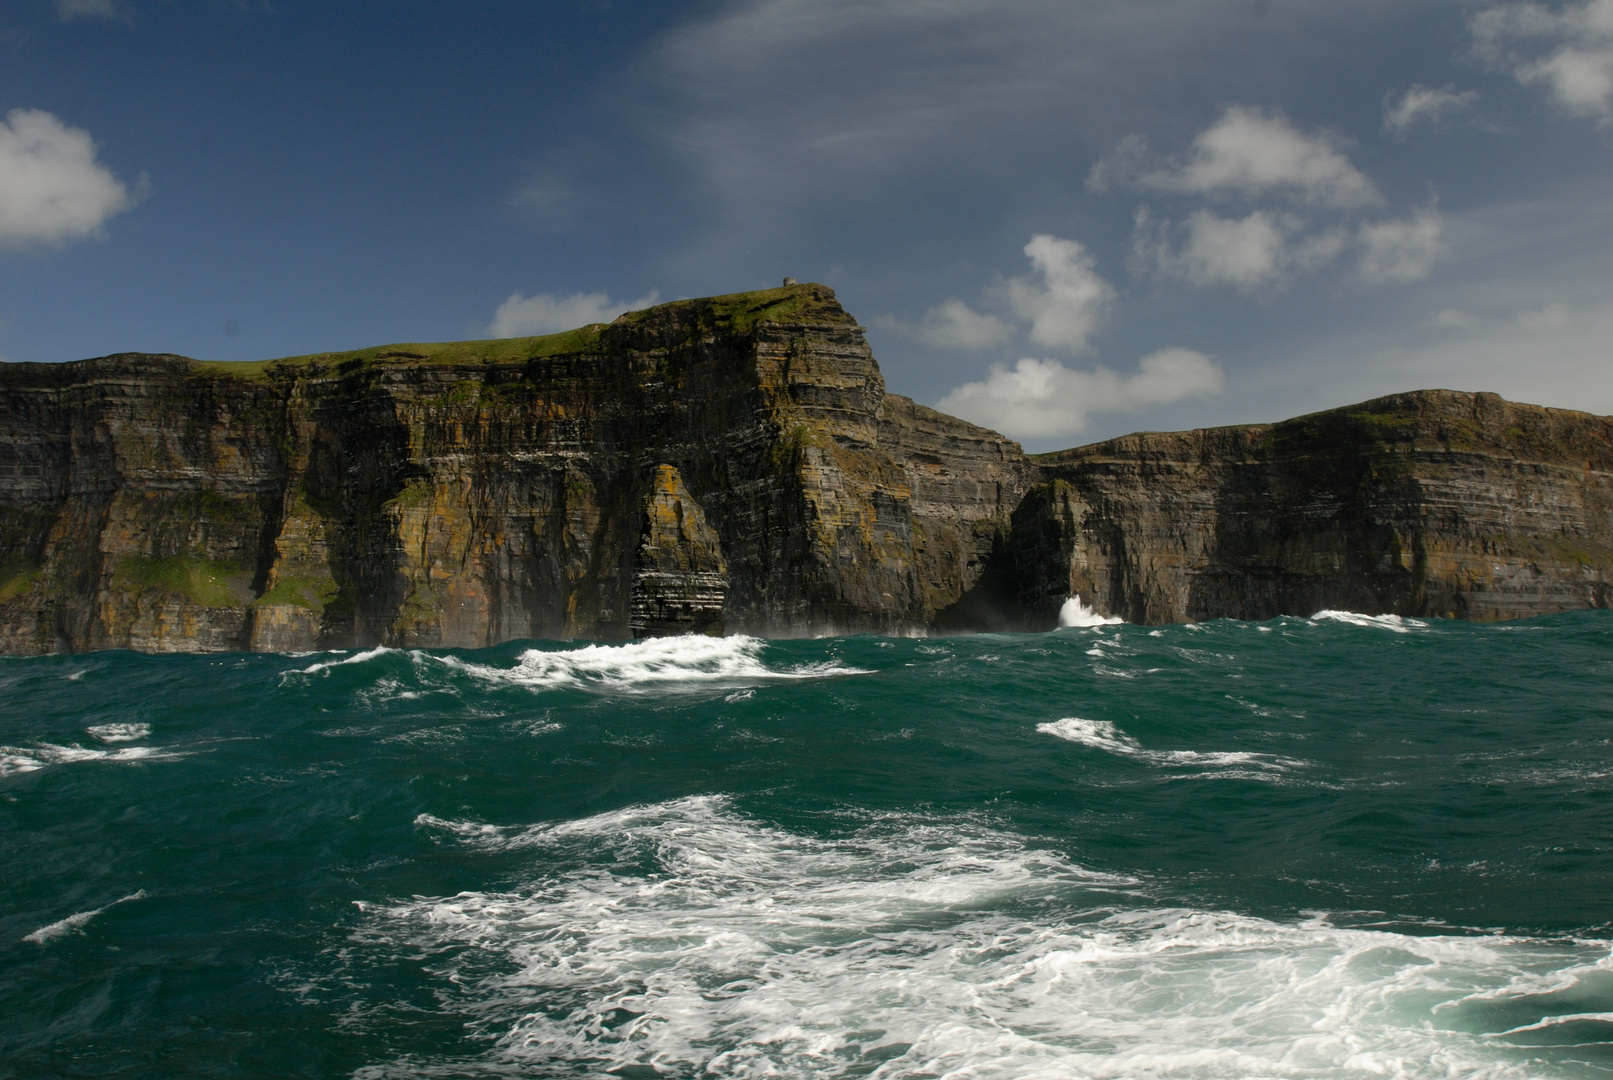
(732, 464)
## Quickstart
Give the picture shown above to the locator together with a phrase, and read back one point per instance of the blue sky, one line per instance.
(1064, 219)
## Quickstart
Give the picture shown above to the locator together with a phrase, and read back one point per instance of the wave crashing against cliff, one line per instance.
(733, 465)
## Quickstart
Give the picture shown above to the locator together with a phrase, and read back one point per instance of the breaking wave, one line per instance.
(1395, 623)
(22, 759)
(655, 661)
(686, 939)
(1103, 735)
(1075, 614)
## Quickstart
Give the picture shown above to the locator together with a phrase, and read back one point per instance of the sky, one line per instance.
(1064, 219)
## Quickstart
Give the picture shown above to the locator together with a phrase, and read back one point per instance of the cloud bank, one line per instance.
(545, 313)
(52, 189)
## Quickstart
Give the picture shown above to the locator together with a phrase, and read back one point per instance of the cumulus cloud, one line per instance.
(52, 189)
(1568, 50)
(1249, 153)
(1425, 106)
(1248, 253)
(954, 325)
(546, 313)
(67, 10)
(1395, 251)
(1065, 298)
(1045, 399)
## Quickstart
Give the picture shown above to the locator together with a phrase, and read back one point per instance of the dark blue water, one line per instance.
(1309, 848)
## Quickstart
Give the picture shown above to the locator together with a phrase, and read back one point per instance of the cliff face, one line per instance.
(731, 463)
(1427, 503)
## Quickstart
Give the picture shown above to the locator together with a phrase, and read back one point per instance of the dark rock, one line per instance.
(732, 464)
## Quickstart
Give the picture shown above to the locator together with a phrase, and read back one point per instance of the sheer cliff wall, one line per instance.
(724, 464)
(733, 464)
(1427, 503)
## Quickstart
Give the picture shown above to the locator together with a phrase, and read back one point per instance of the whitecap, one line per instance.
(1103, 735)
(356, 658)
(692, 659)
(110, 733)
(688, 939)
(1075, 614)
(1394, 623)
(22, 759)
(74, 924)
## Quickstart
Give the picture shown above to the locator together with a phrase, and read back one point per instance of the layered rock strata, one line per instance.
(733, 464)
(1428, 503)
(461, 495)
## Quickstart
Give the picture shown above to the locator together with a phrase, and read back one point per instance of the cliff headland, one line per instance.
(732, 464)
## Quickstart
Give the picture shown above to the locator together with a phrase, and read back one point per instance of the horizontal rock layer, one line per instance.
(732, 464)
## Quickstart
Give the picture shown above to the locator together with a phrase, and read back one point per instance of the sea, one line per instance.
(1348, 845)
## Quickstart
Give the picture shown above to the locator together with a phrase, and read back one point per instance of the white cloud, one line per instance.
(1250, 153)
(1064, 307)
(1569, 50)
(51, 187)
(1243, 253)
(67, 10)
(1426, 106)
(1044, 399)
(545, 313)
(954, 325)
(1402, 250)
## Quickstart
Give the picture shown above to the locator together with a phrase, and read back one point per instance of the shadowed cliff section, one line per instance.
(468, 493)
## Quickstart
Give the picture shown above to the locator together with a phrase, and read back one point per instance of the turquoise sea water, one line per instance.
(1327, 847)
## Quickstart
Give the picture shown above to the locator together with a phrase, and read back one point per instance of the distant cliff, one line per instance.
(732, 464)
(1427, 503)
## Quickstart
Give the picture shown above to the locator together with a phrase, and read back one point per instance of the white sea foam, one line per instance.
(688, 939)
(110, 733)
(21, 759)
(1395, 623)
(657, 661)
(1076, 614)
(356, 658)
(1103, 735)
(74, 924)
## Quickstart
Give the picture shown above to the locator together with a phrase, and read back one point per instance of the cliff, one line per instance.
(1428, 503)
(732, 464)
(728, 463)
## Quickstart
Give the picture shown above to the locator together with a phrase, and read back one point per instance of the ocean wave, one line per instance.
(1075, 614)
(656, 661)
(111, 733)
(1103, 735)
(356, 658)
(74, 924)
(688, 939)
(1395, 623)
(23, 759)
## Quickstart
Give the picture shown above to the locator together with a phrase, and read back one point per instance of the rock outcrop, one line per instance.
(732, 464)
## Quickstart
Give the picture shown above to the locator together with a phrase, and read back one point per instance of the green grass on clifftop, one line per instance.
(584, 339)
(735, 312)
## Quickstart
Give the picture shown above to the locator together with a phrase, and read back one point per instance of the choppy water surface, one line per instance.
(1329, 847)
